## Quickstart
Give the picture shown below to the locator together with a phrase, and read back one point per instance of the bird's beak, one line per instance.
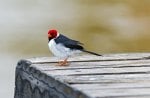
(49, 35)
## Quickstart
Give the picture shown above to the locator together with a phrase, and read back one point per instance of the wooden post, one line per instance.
(87, 76)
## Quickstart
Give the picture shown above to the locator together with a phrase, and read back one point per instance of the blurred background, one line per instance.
(104, 26)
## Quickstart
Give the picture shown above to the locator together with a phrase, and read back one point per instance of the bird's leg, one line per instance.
(63, 63)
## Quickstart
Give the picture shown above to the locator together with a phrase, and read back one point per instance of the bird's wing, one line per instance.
(69, 43)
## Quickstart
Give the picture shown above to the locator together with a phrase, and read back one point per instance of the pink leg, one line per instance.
(63, 63)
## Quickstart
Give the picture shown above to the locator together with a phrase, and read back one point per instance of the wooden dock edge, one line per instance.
(33, 83)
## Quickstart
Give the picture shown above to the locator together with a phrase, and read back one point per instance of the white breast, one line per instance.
(59, 50)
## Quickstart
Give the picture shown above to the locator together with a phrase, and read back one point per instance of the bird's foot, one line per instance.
(63, 63)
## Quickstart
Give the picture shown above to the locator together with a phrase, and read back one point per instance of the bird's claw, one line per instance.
(63, 63)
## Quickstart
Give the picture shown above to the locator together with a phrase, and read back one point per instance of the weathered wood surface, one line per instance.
(88, 76)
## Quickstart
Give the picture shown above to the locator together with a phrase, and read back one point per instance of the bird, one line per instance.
(63, 47)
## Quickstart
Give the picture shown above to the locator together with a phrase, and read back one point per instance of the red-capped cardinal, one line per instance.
(63, 47)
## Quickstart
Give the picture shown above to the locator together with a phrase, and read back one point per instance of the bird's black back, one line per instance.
(69, 43)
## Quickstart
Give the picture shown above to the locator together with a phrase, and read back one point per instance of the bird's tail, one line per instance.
(91, 52)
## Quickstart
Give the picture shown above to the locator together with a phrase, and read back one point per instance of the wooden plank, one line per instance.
(105, 86)
(91, 58)
(33, 83)
(100, 71)
(109, 93)
(87, 76)
(90, 79)
(83, 65)
(140, 66)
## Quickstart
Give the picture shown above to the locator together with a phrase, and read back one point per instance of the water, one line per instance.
(104, 26)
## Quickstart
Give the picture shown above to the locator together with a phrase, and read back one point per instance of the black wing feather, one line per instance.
(72, 44)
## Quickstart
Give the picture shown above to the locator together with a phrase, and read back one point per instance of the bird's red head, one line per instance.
(52, 34)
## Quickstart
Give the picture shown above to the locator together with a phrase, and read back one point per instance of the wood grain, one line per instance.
(107, 76)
